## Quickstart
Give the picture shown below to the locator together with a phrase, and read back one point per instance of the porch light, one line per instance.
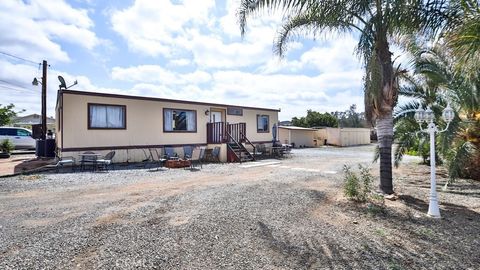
(448, 114)
(420, 115)
(429, 115)
(35, 82)
(207, 112)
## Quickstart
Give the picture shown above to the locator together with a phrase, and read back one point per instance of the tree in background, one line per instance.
(7, 114)
(315, 119)
(351, 118)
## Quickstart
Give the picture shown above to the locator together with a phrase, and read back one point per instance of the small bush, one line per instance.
(351, 187)
(6, 146)
(357, 188)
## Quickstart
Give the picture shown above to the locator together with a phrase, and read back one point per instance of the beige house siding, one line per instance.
(144, 125)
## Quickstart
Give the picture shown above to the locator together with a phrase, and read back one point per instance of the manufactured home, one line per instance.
(129, 125)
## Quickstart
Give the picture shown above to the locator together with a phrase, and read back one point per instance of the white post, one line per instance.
(433, 209)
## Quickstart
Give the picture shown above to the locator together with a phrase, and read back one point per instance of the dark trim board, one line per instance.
(84, 93)
(271, 141)
(100, 148)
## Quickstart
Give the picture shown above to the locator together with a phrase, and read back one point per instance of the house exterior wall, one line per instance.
(144, 126)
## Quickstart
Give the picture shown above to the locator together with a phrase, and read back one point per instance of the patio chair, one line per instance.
(146, 160)
(198, 156)
(260, 150)
(216, 154)
(62, 161)
(288, 151)
(187, 151)
(157, 158)
(170, 153)
(92, 160)
(106, 161)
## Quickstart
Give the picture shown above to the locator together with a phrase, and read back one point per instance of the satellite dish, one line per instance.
(62, 85)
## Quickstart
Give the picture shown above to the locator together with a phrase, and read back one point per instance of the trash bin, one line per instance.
(50, 148)
(40, 148)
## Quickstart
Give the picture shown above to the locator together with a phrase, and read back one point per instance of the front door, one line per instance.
(216, 117)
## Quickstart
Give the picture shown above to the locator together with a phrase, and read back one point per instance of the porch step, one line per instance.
(243, 154)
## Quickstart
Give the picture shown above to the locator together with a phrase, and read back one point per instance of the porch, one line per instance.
(234, 136)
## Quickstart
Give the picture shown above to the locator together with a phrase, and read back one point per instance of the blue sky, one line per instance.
(189, 50)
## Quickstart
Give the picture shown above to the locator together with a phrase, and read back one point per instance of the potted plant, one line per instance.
(6, 147)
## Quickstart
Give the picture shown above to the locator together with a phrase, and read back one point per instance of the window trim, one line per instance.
(106, 128)
(268, 118)
(180, 131)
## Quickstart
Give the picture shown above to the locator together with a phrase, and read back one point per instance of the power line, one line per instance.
(20, 58)
(14, 84)
(16, 87)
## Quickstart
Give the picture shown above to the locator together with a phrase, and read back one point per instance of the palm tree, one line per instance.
(433, 75)
(375, 22)
(462, 34)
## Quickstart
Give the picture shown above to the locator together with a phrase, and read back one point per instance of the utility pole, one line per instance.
(44, 101)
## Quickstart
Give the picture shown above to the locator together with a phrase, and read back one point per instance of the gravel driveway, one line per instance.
(272, 214)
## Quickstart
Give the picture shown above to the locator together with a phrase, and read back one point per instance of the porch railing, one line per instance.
(218, 132)
(236, 131)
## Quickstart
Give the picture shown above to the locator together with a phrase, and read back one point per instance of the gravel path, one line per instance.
(286, 214)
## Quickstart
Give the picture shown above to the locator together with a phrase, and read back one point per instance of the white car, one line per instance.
(20, 137)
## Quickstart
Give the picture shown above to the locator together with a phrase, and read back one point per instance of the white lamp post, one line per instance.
(428, 117)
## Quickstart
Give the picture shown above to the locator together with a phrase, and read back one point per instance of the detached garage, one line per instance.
(297, 136)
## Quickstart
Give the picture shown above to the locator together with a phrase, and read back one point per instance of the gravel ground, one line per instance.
(272, 214)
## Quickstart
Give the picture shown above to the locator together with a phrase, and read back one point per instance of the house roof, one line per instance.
(297, 128)
(85, 93)
(31, 119)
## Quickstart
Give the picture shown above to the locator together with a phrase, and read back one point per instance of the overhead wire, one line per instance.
(14, 84)
(17, 89)
(20, 58)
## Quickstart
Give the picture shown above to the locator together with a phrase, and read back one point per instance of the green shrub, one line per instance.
(6, 146)
(351, 187)
(357, 188)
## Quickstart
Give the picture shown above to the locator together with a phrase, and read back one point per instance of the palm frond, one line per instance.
(254, 7)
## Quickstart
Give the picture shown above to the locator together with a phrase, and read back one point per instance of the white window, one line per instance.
(103, 116)
(263, 123)
(176, 120)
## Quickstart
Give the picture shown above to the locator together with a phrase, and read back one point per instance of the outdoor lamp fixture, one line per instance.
(207, 112)
(428, 117)
(35, 82)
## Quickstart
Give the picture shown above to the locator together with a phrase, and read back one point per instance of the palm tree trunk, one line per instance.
(385, 140)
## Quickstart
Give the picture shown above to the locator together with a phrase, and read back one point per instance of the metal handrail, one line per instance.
(249, 142)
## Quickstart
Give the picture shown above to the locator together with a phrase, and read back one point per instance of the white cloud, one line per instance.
(157, 74)
(155, 28)
(292, 92)
(32, 29)
(180, 62)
